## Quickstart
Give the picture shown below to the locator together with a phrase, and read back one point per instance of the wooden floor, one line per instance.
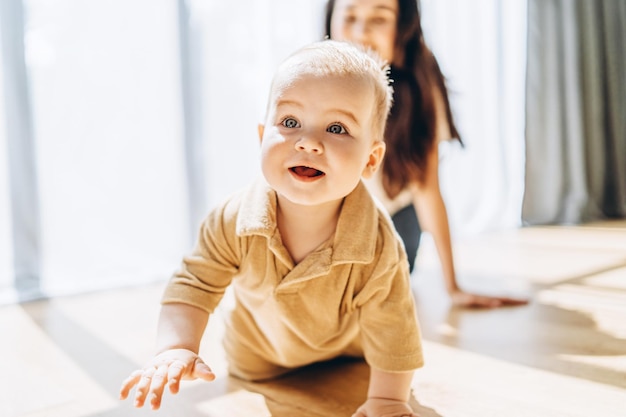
(562, 355)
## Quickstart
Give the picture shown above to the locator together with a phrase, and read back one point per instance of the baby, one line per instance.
(316, 266)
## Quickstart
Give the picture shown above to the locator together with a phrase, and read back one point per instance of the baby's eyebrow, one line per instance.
(347, 114)
(280, 103)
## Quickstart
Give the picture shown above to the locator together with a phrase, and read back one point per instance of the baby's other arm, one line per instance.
(388, 395)
(180, 330)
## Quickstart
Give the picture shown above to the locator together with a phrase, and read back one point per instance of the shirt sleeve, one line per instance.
(390, 333)
(206, 273)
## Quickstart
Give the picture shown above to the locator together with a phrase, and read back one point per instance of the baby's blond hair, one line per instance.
(333, 58)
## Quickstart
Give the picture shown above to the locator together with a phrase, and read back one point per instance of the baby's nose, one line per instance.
(308, 143)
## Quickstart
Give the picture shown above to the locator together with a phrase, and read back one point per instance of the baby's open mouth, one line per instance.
(308, 172)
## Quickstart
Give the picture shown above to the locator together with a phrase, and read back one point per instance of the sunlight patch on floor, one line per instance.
(613, 279)
(606, 308)
(454, 382)
(610, 363)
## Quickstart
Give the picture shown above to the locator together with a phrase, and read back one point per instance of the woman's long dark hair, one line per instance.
(411, 126)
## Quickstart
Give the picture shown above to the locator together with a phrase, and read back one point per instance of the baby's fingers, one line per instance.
(201, 370)
(177, 371)
(174, 375)
(129, 383)
(159, 379)
(143, 386)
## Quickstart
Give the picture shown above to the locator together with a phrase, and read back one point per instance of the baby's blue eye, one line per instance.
(336, 129)
(290, 123)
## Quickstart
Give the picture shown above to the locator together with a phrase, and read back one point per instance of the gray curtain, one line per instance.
(575, 111)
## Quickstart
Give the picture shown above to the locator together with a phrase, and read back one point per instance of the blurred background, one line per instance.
(123, 122)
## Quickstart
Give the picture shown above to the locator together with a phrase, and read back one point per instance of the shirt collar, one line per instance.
(356, 228)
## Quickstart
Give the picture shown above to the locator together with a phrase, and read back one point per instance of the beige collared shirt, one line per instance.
(350, 296)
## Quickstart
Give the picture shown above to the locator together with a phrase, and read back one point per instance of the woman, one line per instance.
(408, 183)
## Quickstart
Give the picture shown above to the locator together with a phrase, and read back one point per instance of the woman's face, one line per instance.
(371, 23)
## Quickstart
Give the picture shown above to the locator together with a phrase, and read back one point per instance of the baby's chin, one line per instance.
(306, 199)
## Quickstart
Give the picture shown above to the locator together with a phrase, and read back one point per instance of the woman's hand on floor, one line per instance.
(464, 299)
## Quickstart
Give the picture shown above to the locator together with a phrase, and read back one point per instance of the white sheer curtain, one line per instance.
(481, 47)
(104, 85)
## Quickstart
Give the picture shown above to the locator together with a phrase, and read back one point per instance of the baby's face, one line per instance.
(318, 138)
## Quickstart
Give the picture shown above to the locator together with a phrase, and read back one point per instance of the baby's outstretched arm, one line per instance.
(388, 395)
(179, 333)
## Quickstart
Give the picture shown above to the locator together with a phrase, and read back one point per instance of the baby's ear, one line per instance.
(261, 129)
(375, 159)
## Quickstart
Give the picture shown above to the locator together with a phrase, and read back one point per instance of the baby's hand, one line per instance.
(167, 368)
(378, 407)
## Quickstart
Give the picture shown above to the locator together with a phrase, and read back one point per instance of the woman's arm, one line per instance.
(433, 218)
(427, 199)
